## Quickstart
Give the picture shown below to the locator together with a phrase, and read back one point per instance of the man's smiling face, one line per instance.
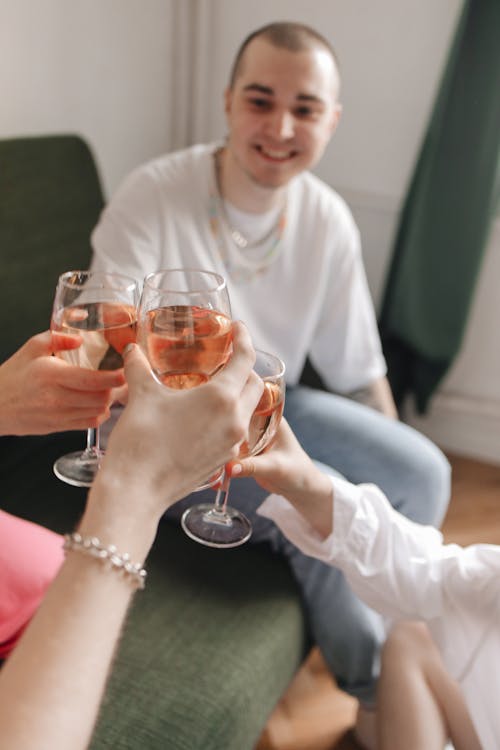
(281, 111)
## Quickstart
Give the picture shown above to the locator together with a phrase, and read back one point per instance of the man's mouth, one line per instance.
(275, 154)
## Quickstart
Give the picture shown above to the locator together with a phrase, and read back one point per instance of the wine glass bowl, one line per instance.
(101, 309)
(266, 417)
(187, 345)
(185, 326)
(185, 329)
(218, 524)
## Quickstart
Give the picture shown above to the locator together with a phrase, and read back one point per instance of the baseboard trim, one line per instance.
(462, 425)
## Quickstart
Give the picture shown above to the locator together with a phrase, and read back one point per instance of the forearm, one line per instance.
(52, 685)
(313, 499)
(377, 396)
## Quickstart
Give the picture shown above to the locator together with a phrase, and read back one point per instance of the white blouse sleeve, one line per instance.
(396, 566)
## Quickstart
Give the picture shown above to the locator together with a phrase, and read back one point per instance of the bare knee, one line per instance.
(409, 642)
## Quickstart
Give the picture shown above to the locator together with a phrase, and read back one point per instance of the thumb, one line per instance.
(244, 467)
(136, 365)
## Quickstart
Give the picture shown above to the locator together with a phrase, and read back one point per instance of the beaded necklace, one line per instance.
(231, 243)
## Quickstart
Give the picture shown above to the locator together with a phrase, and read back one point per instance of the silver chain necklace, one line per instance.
(237, 237)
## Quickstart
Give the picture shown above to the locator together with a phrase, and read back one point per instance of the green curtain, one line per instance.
(447, 213)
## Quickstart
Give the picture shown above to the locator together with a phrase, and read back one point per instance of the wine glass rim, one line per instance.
(93, 280)
(219, 281)
(282, 366)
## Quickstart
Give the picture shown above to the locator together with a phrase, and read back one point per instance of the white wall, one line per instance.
(100, 68)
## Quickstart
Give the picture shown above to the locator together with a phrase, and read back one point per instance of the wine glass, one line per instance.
(185, 329)
(217, 524)
(102, 309)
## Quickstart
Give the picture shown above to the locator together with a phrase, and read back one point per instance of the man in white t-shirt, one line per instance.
(249, 209)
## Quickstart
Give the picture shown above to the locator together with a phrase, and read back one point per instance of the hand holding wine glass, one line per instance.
(40, 393)
(100, 310)
(218, 524)
(285, 469)
(184, 327)
(177, 436)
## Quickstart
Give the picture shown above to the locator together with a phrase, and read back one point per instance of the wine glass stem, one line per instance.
(220, 503)
(93, 447)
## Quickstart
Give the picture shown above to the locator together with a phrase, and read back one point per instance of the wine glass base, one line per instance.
(216, 528)
(77, 469)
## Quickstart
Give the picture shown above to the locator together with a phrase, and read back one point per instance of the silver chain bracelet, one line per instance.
(90, 545)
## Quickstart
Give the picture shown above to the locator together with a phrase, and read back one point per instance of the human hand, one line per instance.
(284, 468)
(168, 441)
(40, 393)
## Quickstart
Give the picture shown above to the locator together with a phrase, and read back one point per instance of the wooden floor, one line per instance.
(314, 714)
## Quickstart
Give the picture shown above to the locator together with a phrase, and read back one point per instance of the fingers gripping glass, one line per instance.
(217, 524)
(185, 329)
(101, 308)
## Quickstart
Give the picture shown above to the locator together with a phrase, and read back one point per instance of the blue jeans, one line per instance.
(363, 446)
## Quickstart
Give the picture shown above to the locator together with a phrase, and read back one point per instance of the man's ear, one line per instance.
(336, 115)
(228, 98)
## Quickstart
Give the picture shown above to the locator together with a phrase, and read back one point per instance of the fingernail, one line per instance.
(128, 348)
(235, 469)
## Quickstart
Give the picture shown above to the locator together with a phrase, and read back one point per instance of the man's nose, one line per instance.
(282, 124)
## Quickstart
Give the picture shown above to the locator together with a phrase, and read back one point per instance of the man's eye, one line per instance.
(260, 103)
(305, 112)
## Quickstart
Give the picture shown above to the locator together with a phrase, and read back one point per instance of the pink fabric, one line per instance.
(30, 557)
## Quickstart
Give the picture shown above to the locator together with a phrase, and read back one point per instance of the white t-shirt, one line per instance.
(404, 571)
(312, 299)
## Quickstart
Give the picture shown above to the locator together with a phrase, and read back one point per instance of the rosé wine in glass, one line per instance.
(185, 329)
(186, 345)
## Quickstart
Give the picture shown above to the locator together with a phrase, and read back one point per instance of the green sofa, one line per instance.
(215, 638)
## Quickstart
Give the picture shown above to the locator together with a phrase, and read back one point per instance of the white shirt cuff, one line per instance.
(300, 532)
